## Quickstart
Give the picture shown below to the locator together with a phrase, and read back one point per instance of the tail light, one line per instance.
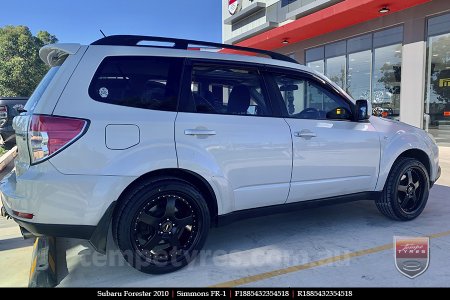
(3, 112)
(49, 135)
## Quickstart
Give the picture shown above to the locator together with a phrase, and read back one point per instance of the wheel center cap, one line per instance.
(166, 226)
(410, 190)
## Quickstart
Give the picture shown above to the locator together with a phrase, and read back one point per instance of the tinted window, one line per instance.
(307, 99)
(228, 90)
(143, 82)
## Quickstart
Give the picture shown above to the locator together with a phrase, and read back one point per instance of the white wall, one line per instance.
(226, 29)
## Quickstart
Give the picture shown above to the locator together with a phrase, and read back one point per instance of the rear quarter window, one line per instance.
(138, 81)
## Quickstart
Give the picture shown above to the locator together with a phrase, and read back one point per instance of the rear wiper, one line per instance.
(21, 110)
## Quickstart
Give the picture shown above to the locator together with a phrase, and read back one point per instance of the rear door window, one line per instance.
(230, 90)
(138, 81)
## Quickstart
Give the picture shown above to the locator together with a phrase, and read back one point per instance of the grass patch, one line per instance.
(2, 151)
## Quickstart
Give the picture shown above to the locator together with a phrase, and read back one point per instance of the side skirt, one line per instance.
(283, 208)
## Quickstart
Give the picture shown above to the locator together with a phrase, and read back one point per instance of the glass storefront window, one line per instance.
(336, 70)
(358, 78)
(386, 81)
(318, 65)
(366, 66)
(437, 98)
(315, 54)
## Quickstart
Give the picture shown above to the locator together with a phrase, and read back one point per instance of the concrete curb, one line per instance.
(43, 263)
(6, 158)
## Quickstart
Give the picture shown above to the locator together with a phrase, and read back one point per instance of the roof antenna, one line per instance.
(104, 35)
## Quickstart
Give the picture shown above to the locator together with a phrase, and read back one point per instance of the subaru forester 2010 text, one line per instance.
(163, 141)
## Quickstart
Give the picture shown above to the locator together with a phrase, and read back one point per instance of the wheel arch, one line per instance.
(418, 154)
(415, 153)
(193, 178)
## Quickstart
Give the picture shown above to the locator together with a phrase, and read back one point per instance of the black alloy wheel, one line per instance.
(410, 189)
(406, 190)
(161, 225)
(164, 228)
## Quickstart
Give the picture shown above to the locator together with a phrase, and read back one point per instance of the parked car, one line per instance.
(9, 108)
(164, 142)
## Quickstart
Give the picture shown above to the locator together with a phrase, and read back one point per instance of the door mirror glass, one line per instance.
(362, 110)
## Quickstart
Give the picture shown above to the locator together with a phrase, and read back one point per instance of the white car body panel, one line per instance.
(156, 147)
(335, 161)
(396, 138)
(242, 151)
(55, 198)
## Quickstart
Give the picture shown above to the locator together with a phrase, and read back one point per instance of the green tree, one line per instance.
(21, 69)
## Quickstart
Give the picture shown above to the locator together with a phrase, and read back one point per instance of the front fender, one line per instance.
(396, 138)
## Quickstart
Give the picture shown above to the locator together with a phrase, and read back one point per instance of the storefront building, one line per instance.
(395, 53)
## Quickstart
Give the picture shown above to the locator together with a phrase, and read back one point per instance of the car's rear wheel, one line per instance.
(161, 225)
(406, 191)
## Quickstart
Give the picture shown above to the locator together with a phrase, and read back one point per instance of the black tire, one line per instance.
(406, 191)
(161, 225)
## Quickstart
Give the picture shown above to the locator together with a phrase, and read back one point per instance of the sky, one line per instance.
(80, 21)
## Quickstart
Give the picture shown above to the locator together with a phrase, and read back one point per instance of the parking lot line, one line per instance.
(310, 265)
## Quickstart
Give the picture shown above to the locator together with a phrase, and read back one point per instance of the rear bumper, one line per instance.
(38, 229)
(75, 206)
(97, 235)
(56, 198)
(58, 230)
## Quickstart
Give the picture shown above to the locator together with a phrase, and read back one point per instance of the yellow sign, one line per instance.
(444, 82)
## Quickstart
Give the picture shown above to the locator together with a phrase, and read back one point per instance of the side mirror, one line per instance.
(362, 110)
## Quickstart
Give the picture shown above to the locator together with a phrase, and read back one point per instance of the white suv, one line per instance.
(163, 141)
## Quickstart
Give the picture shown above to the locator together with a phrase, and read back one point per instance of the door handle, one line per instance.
(199, 132)
(305, 134)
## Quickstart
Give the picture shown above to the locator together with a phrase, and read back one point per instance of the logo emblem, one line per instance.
(166, 227)
(103, 92)
(412, 255)
(234, 6)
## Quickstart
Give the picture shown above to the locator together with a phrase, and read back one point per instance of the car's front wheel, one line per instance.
(161, 225)
(406, 191)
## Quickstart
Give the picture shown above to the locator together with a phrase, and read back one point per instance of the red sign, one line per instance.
(446, 113)
(412, 255)
(234, 6)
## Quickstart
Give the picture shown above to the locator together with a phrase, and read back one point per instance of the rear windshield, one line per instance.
(40, 89)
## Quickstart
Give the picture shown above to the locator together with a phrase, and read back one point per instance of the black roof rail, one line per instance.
(134, 40)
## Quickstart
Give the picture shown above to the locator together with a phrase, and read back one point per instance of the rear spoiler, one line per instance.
(54, 54)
